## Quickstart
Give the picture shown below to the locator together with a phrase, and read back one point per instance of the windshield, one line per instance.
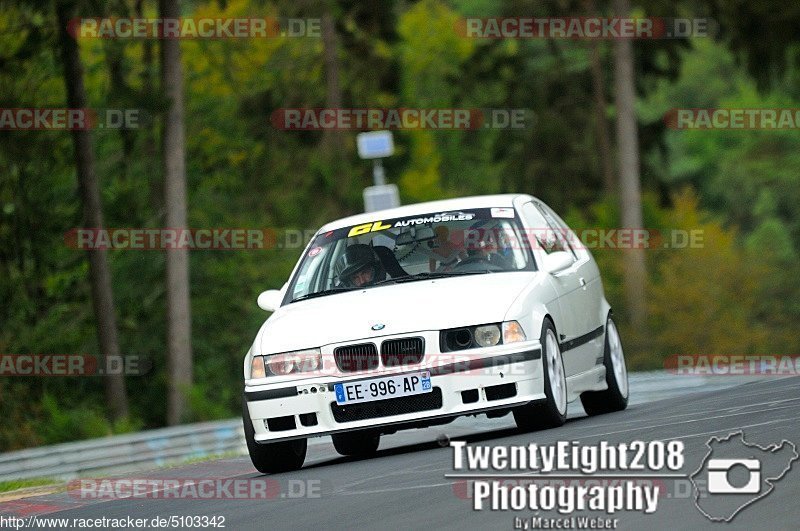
(387, 251)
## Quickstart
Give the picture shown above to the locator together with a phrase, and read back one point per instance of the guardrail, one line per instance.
(121, 453)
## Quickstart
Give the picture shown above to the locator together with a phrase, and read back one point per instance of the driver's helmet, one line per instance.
(359, 266)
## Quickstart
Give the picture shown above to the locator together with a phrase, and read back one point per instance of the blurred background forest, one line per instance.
(737, 294)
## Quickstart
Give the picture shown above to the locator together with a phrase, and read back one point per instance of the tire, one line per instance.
(552, 411)
(362, 443)
(615, 398)
(275, 457)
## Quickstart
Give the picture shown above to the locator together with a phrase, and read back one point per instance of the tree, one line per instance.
(179, 326)
(601, 123)
(99, 272)
(630, 192)
(332, 140)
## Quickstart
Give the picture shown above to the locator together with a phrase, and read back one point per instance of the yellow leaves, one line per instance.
(235, 158)
(685, 208)
(704, 300)
(430, 30)
(13, 32)
(431, 51)
(421, 181)
(220, 67)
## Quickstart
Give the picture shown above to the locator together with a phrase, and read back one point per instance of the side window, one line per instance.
(541, 233)
(559, 227)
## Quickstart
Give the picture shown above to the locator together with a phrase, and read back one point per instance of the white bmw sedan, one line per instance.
(411, 317)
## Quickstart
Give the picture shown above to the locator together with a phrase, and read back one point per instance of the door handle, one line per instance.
(582, 282)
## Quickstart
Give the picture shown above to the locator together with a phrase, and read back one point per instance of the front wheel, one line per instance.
(270, 458)
(552, 411)
(615, 398)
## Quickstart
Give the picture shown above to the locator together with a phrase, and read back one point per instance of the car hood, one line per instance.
(401, 308)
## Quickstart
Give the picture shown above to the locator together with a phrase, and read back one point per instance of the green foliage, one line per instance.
(738, 293)
(208, 402)
(719, 295)
(73, 423)
(8, 486)
(703, 300)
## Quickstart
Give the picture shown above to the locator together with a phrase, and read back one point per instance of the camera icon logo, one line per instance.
(719, 476)
(736, 473)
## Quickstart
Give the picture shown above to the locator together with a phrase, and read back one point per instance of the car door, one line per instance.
(583, 303)
(545, 239)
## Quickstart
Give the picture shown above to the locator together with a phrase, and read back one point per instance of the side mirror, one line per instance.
(557, 261)
(270, 300)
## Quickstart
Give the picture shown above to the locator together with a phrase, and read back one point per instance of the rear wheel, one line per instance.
(615, 398)
(552, 411)
(361, 443)
(273, 457)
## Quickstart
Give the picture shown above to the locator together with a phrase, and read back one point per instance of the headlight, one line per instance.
(487, 335)
(291, 362)
(513, 332)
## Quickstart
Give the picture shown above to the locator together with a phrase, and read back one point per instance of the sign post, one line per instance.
(376, 145)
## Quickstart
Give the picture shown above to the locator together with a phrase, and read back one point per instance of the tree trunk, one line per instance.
(601, 123)
(179, 347)
(148, 131)
(629, 185)
(332, 140)
(119, 92)
(99, 272)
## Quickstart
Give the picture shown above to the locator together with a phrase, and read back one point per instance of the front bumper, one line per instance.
(464, 383)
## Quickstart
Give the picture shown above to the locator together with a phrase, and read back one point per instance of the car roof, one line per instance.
(478, 201)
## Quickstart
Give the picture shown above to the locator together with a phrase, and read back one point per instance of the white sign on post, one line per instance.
(375, 144)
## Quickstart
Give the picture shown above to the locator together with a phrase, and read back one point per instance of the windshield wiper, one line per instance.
(322, 293)
(459, 273)
(428, 276)
(406, 278)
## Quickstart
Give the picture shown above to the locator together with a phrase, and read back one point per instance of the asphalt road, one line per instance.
(405, 486)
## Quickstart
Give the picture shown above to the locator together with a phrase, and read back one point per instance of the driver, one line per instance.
(359, 266)
(443, 250)
(492, 245)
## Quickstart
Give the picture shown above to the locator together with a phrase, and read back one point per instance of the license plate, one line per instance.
(383, 388)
